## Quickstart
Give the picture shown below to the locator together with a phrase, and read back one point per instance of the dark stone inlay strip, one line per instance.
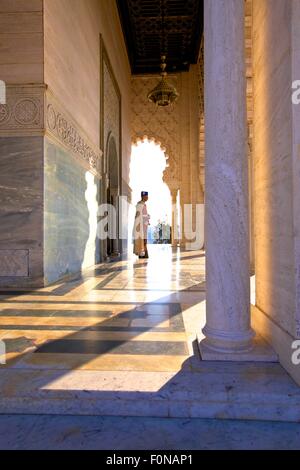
(134, 329)
(186, 290)
(155, 313)
(170, 308)
(85, 302)
(138, 314)
(17, 292)
(7, 295)
(156, 348)
(56, 313)
(106, 281)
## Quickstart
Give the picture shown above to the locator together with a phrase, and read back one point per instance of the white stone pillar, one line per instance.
(174, 229)
(227, 331)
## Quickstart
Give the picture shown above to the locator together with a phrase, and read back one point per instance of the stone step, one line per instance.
(245, 391)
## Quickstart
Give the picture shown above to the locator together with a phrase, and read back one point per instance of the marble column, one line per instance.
(174, 218)
(228, 333)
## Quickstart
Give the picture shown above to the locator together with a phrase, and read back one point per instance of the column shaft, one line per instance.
(174, 218)
(226, 230)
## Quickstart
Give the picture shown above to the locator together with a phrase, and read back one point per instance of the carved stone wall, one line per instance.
(50, 130)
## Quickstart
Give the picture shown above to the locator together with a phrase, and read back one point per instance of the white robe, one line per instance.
(140, 229)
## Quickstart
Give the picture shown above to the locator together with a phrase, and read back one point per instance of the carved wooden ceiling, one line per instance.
(150, 26)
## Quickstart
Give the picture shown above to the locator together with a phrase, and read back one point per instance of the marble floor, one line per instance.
(136, 315)
(122, 341)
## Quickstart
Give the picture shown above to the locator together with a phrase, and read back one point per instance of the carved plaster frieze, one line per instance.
(170, 177)
(23, 113)
(32, 110)
(111, 109)
(62, 128)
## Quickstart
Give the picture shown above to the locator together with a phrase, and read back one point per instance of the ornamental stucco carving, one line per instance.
(60, 126)
(32, 110)
(158, 124)
(111, 109)
(23, 113)
(201, 121)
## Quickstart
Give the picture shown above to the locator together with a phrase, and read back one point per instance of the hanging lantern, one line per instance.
(164, 94)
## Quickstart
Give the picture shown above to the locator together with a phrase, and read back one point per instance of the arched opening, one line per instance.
(147, 167)
(110, 244)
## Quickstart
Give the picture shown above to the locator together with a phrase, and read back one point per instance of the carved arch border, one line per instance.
(171, 173)
(105, 61)
(111, 138)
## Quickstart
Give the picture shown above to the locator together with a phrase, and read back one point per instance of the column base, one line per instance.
(190, 246)
(112, 258)
(260, 351)
(228, 341)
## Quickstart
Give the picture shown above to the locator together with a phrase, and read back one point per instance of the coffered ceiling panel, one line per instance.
(154, 26)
